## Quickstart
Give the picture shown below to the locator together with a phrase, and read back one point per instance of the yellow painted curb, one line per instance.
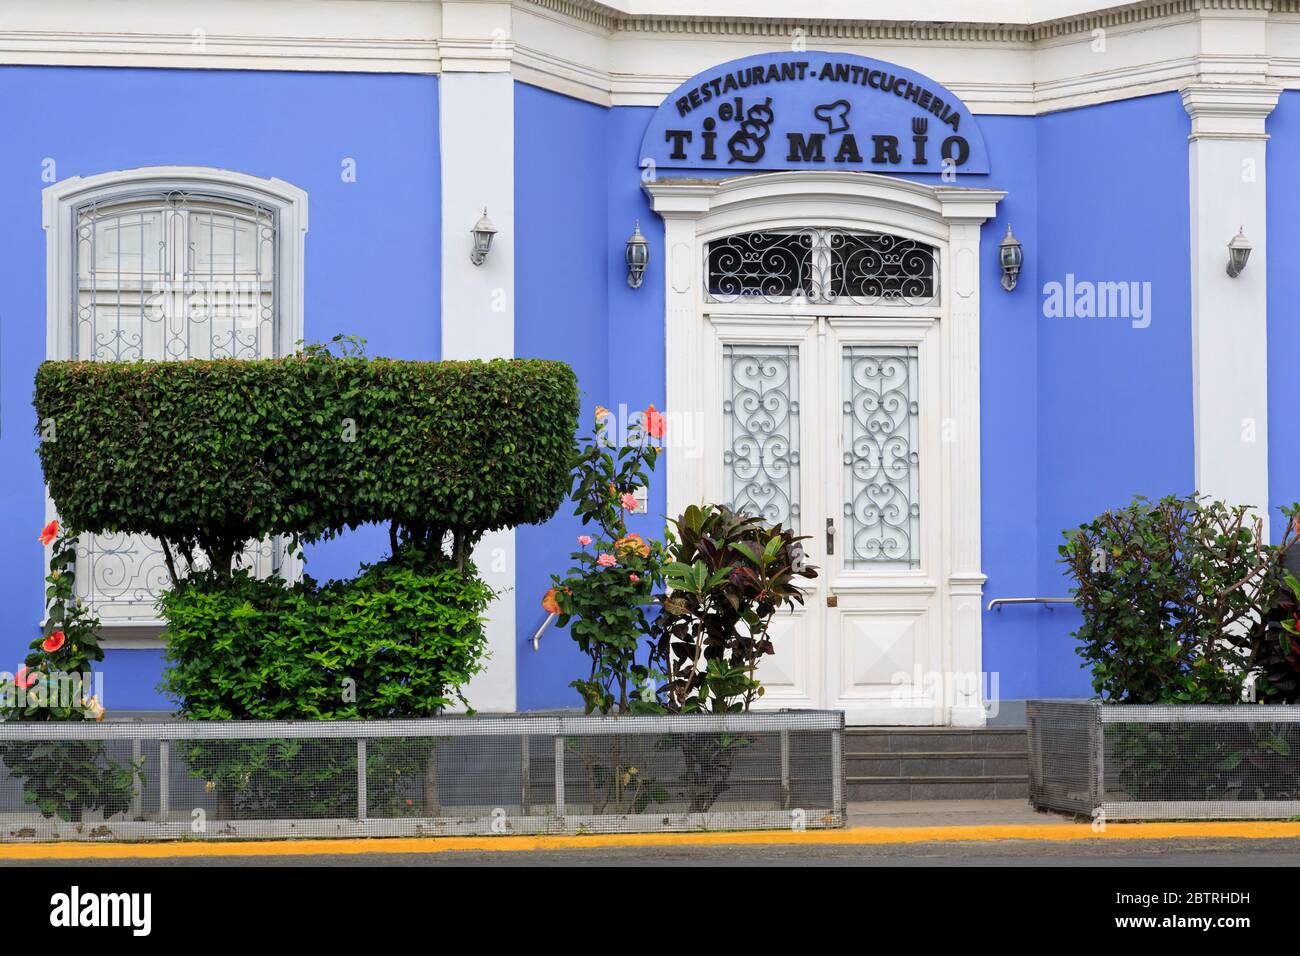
(859, 836)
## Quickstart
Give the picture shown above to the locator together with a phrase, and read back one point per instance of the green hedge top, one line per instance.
(213, 453)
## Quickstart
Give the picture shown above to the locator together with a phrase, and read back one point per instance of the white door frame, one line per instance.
(947, 217)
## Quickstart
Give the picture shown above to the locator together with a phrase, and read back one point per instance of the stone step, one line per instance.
(931, 739)
(859, 789)
(942, 763)
(935, 763)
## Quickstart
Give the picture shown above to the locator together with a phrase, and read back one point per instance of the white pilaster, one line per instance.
(477, 157)
(1226, 155)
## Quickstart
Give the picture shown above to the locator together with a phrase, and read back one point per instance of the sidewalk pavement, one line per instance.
(949, 813)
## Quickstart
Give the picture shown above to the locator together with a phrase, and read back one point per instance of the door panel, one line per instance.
(884, 632)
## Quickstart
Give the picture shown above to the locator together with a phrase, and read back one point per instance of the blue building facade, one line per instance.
(1123, 362)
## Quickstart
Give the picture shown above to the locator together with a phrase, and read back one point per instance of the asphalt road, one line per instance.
(1010, 853)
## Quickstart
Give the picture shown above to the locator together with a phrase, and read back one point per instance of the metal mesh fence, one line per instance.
(1165, 762)
(445, 776)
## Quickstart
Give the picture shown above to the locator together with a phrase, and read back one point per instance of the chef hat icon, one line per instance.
(834, 115)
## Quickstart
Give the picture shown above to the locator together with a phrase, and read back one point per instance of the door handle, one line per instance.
(830, 535)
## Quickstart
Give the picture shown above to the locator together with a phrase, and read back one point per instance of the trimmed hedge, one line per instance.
(212, 454)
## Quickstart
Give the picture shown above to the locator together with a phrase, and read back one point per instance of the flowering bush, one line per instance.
(1178, 599)
(62, 778)
(603, 597)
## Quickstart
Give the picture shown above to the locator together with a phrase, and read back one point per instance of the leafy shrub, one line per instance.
(729, 575)
(604, 596)
(1175, 596)
(62, 778)
(400, 640)
(208, 455)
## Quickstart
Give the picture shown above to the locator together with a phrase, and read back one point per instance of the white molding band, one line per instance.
(477, 112)
(695, 210)
(1226, 160)
(1002, 56)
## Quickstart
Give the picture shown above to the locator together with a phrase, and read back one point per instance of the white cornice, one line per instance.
(1000, 56)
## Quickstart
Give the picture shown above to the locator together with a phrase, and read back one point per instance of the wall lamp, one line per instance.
(1012, 256)
(637, 254)
(483, 232)
(1238, 253)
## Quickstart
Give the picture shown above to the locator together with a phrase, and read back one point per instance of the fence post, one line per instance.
(164, 782)
(525, 774)
(559, 778)
(137, 784)
(837, 773)
(361, 778)
(785, 770)
(1097, 755)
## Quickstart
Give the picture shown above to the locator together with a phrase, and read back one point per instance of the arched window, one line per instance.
(168, 263)
(832, 266)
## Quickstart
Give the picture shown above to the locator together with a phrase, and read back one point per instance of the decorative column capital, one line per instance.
(1229, 111)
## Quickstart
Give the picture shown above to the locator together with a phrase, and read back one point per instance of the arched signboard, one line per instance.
(813, 110)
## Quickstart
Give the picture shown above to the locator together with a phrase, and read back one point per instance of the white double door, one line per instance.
(830, 423)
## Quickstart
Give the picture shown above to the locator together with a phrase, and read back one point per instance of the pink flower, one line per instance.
(629, 502)
(49, 533)
(584, 539)
(53, 642)
(606, 560)
(634, 578)
(25, 678)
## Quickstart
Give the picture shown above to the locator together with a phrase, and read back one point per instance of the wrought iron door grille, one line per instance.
(760, 414)
(829, 266)
(881, 433)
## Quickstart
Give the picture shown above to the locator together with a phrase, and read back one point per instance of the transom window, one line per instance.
(832, 266)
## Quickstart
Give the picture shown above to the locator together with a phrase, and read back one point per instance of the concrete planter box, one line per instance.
(1116, 762)
(445, 776)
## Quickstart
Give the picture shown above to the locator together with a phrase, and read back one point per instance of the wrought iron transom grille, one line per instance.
(760, 415)
(168, 276)
(831, 266)
(881, 462)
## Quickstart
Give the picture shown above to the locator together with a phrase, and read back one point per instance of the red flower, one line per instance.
(655, 423)
(25, 678)
(549, 602)
(53, 642)
(49, 533)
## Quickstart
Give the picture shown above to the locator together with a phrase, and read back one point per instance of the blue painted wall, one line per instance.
(561, 281)
(1114, 401)
(371, 252)
(1283, 294)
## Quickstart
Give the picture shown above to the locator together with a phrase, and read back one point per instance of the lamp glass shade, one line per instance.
(483, 232)
(637, 255)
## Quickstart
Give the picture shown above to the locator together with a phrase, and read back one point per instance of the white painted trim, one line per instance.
(694, 211)
(477, 311)
(62, 198)
(1226, 159)
(1047, 55)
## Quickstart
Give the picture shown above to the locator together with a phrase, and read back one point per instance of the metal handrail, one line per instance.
(996, 603)
(537, 637)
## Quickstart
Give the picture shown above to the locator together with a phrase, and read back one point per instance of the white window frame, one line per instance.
(60, 202)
